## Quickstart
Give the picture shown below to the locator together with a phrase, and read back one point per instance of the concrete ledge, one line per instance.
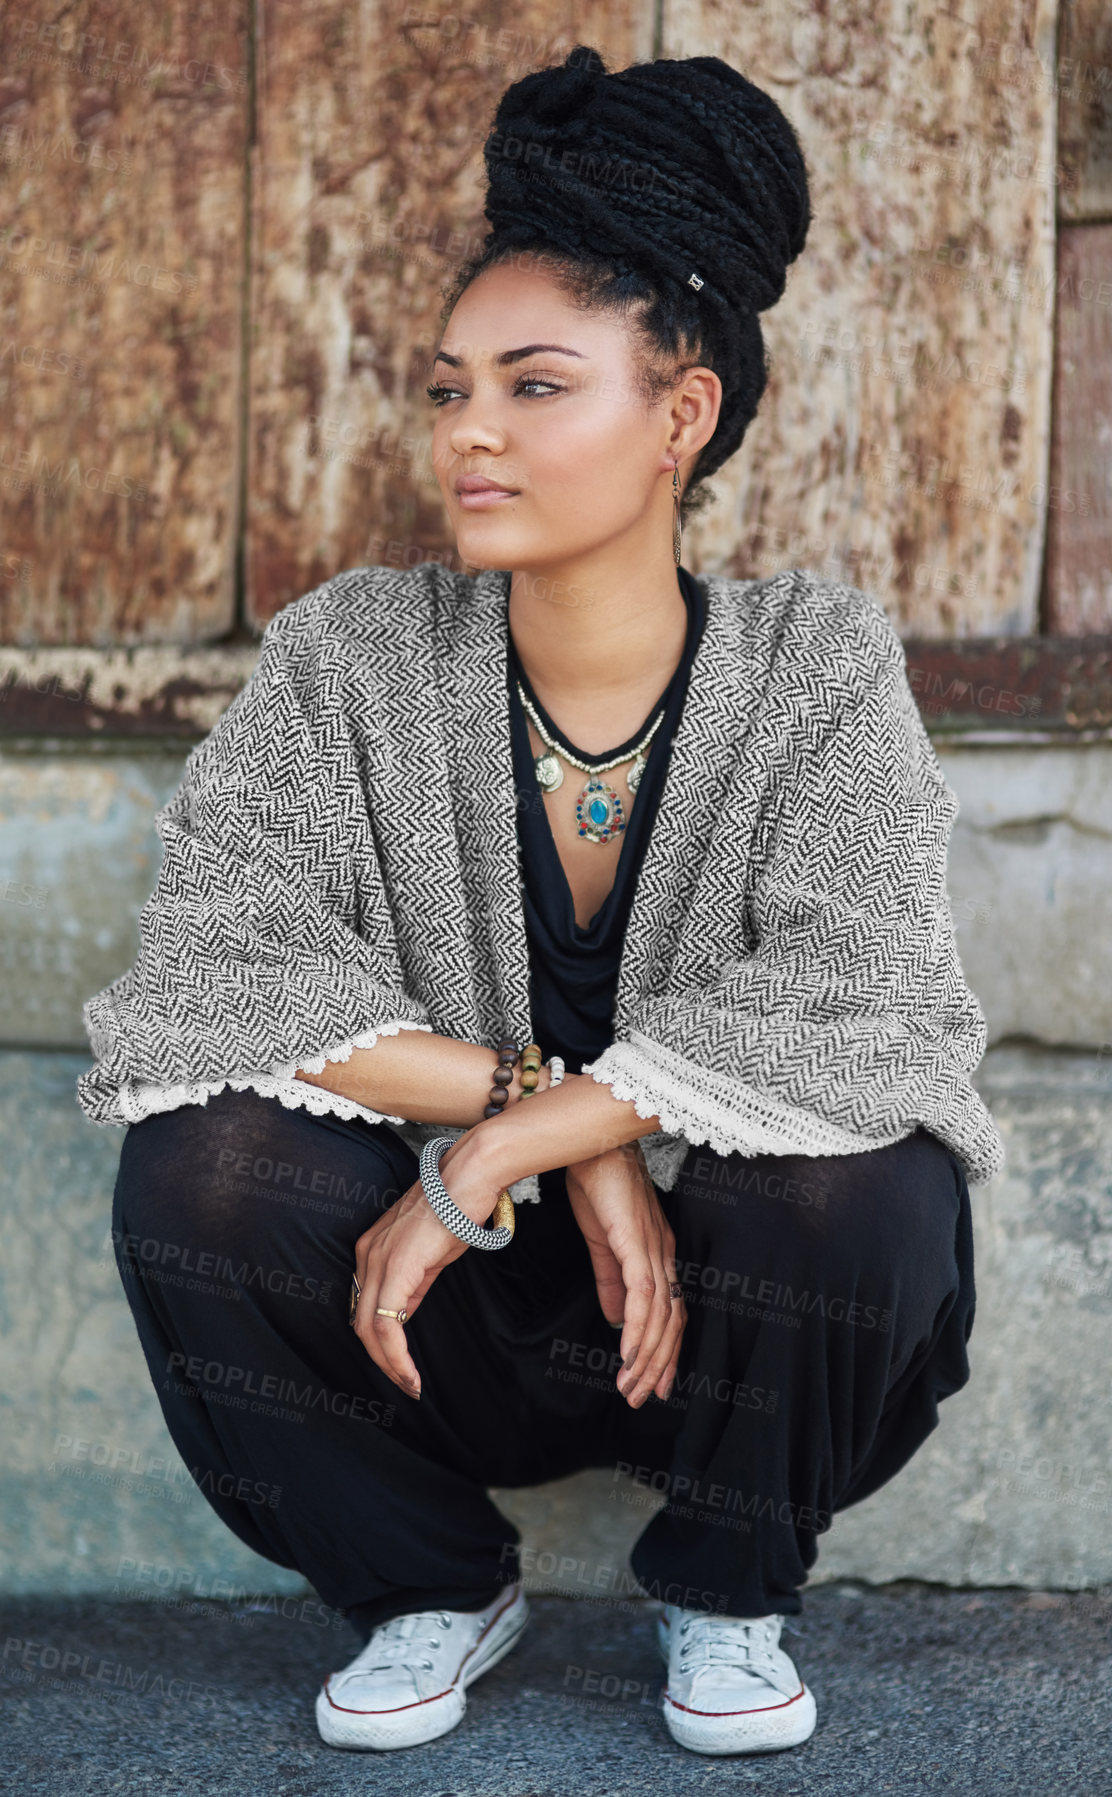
(1029, 873)
(1013, 1488)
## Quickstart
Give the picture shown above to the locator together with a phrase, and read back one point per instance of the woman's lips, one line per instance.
(481, 500)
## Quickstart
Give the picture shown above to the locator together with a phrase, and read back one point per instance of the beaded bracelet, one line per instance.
(508, 1055)
(504, 1211)
(530, 1068)
(503, 1077)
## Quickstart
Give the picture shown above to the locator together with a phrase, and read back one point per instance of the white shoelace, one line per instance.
(395, 1642)
(740, 1644)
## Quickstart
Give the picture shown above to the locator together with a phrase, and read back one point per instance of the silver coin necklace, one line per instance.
(598, 809)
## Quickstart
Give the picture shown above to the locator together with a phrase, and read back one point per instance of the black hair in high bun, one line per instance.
(624, 184)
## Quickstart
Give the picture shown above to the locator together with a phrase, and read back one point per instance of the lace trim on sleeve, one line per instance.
(139, 1099)
(707, 1107)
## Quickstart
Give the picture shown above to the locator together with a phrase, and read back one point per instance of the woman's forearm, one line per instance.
(421, 1076)
(428, 1078)
(574, 1121)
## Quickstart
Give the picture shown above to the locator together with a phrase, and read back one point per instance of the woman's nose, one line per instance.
(476, 423)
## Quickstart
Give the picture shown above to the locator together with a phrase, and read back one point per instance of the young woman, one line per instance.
(585, 881)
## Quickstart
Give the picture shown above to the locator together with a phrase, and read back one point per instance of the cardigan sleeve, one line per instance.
(268, 943)
(844, 1020)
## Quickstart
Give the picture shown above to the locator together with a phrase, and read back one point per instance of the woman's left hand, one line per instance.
(398, 1258)
(633, 1252)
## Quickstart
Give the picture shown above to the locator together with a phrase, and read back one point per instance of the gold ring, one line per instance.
(402, 1316)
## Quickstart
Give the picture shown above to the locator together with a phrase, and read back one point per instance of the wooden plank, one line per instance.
(1010, 684)
(1079, 544)
(1084, 83)
(998, 684)
(906, 417)
(150, 692)
(367, 193)
(122, 138)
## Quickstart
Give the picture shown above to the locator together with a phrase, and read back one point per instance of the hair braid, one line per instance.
(623, 184)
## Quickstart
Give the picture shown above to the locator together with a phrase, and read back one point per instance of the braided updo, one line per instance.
(624, 184)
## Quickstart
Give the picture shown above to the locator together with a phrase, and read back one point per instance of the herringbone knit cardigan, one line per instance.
(341, 862)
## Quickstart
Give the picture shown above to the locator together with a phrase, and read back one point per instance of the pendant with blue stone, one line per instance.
(599, 811)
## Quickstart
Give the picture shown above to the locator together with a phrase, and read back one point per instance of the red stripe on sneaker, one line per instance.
(501, 1610)
(767, 1709)
(344, 1711)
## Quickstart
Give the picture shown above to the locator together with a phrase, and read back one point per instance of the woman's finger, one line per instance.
(399, 1255)
(646, 1318)
(640, 1290)
(389, 1338)
(384, 1337)
(661, 1367)
(678, 1322)
(664, 1385)
(658, 1322)
(364, 1247)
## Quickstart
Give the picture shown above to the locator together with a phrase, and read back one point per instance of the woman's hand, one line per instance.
(400, 1255)
(633, 1252)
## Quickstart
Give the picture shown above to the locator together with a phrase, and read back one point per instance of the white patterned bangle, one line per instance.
(448, 1211)
(556, 1069)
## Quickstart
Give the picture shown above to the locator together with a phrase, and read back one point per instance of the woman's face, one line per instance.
(562, 426)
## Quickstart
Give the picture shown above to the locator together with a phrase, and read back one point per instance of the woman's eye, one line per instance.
(535, 380)
(439, 393)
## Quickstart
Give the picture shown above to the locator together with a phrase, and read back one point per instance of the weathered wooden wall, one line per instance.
(368, 179)
(1082, 75)
(904, 442)
(1079, 545)
(903, 435)
(122, 146)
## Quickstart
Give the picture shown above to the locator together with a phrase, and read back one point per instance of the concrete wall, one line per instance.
(1014, 1487)
(1029, 877)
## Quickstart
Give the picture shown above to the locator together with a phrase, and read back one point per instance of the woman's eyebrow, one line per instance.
(512, 355)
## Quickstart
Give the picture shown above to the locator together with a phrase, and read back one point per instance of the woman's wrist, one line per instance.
(471, 1167)
(470, 1179)
(590, 1162)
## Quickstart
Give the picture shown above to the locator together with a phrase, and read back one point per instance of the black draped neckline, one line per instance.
(574, 969)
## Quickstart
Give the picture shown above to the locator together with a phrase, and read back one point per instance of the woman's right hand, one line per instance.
(401, 1254)
(633, 1252)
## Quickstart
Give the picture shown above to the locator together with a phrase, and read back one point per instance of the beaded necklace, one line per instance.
(598, 808)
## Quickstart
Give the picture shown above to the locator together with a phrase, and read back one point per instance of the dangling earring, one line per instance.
(676, 512)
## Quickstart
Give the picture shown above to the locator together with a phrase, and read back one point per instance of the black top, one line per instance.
(574, 971)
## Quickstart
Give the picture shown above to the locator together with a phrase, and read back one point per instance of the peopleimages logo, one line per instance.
(207, 1263)
(684, 1490)
(21, 145)
(116, 59)
(31, 1660)
(53, 254)
(794, 1301)
(207, 1377)
(591, 168)
(65, 472)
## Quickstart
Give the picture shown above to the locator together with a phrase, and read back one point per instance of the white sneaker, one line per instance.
(731, 1688)
(407, 1685)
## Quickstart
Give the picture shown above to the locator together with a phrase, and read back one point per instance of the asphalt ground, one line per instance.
(919, 1688)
